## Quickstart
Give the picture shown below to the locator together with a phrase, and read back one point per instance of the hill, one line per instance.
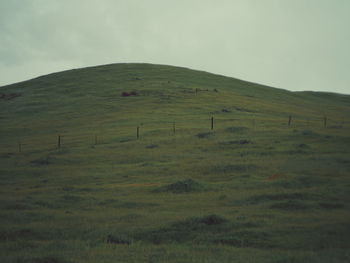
(154, 163)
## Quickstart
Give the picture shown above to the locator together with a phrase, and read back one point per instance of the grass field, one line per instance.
(252, 189)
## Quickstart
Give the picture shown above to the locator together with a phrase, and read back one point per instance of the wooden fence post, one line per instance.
(289, 120)
(212, 123)
(59, 142)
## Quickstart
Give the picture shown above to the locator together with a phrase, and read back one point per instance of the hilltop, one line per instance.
(155, 163)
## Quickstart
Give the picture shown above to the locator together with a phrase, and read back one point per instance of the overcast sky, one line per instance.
(289, 44)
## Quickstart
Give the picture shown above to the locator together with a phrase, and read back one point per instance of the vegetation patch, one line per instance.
(71, 198)
(332, 205)
(191, 229)
(236, 129)
(185, 186)
(131, 205)
(212, 220)
(128, 94)
(302, 182)
(211, 229)
(203, 135)
(136, 205)
(6, 155)
(336, 127)
(302, 146)
(321, 237)
(125, 140)
(280, 196)
(10, 235)
(117, 240)
(243, 109)
(291, 205)
(243, 141)
(130, 217)
(308, 133)
(274, 177)
(152, 146)
(232, 168)
(18, 206)
(9, 96)
(287, 201)
(47, 259)
(28, 204)
(46, 204)
(253, 239)
(45, 160)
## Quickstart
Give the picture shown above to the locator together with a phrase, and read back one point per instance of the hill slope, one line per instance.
(78, 185)
(91, 95)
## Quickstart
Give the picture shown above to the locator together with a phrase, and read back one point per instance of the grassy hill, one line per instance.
(255, 188)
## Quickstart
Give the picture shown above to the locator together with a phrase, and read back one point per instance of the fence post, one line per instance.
(59, 142)
(174, 128)
(212, 123)
(289, 120)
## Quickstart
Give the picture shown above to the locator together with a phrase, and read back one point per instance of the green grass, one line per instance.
(251, 190)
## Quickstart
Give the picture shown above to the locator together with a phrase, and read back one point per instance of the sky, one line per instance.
(290, 44)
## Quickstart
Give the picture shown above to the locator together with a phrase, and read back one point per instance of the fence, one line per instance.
(149, 130)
